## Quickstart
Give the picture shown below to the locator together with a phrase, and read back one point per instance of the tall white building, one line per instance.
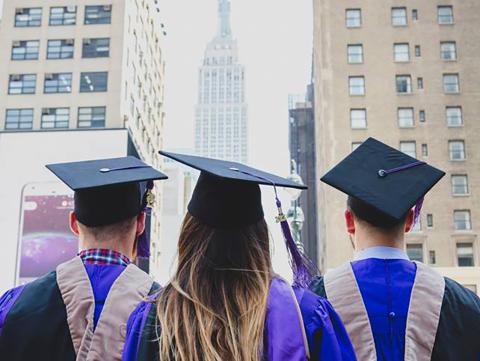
(221, 111)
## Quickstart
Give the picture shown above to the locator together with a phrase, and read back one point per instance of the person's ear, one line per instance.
(409, 222)
(73, 223)
(349, 222)
(140, 224)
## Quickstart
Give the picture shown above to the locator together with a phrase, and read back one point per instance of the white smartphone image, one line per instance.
(45, 239)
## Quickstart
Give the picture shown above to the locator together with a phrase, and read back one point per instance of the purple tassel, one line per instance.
(143, 245)
(303, 268)
(418, 208)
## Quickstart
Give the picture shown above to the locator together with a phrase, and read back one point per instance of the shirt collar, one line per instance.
(381, 253)
(103, 256)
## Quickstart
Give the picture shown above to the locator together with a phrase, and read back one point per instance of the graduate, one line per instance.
(395, 309)
(224, 301)
(80, 310)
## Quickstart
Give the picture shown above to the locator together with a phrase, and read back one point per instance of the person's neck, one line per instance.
(125, 248)
(369, 239)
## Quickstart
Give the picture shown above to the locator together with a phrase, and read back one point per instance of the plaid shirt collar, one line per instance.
(103, 256)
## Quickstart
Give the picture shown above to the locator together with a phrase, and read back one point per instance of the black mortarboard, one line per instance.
(227, 196)
(385, 178)
(107, 190)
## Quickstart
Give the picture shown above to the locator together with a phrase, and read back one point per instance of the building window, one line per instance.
(356, 85)
(456, 149)
(425, 150)
(399, 16)
(93, 81)
(415, 252)
(58, 83)
(353, 18)
(63, 15)
(60, 49)
(465, 255)
(404, 84)
(22, 83)
(25, 17)
(448, 50)
(415, 14)
(401, 52)
(432, 257)
(429, 220)
(98, 14)
(18, 119)
(405, 117)
(409, 148)
(355, 54)
(445, 15)
(418, 51)
(419, 83)
(25, 50)
(55, 118)
(462, 220)
(96, 48)
(355, 145)
(91, 117)
(451, 83)
(459, 184)
(358, 118)
(421, 116)
(454, 116)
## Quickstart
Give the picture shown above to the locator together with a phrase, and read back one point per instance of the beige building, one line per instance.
(70, 64)
(405, 72)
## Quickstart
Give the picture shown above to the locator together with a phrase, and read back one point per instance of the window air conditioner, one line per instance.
(15, 77)
(45, 111)
(87, 41)
(18, 11)
(71, 9)
(16, 44)
(48, 76)
(69, 41)
(107, 7)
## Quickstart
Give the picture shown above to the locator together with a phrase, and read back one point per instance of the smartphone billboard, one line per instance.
(34, 205)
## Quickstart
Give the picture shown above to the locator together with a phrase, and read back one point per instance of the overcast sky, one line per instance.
(275, 41)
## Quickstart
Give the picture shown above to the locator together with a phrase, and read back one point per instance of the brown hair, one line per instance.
(215, 305)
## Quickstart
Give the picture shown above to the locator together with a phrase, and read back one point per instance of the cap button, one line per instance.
(382, 173)
(391, 314)
(104, 170)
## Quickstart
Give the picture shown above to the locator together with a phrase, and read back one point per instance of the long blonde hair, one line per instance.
(215, 305)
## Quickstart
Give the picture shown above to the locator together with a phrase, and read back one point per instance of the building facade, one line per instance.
(84, 64)
(221, 123)
(302, 151)
(405, 72)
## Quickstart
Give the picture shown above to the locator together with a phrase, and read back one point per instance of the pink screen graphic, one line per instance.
(46, 239)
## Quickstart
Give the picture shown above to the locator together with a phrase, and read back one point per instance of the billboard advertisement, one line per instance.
(35, 205)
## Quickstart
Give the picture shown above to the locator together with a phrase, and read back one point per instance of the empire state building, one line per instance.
(221, 111)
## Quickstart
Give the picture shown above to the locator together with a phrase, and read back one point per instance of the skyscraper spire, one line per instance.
(224, 29)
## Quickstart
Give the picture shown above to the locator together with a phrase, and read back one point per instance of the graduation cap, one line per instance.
(108, 191)
(385, 178)
(227, 196)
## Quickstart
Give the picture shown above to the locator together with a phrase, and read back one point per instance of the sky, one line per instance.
(275, 42)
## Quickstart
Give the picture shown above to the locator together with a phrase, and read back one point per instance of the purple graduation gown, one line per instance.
(325, 334)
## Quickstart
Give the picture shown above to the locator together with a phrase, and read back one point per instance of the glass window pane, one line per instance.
(405, 117)
(454, 116)
(401, 52)
(55, 118)
(356, 85)
(91, 117)
(96, 48)
(409, 148)
(358, 118)
(18, 118)
(26, 17)
(465, 254)
(415, 252)
(404, 84)
(93, 82)
(399, 16)
(98, 14)
(459, 184)
(448, 50)
(353, 18)
(451, 83)
(355, 54)
(462, 220)
(457, 150)
(445, 15)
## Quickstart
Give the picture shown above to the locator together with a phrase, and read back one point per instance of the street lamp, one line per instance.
(295, 215)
